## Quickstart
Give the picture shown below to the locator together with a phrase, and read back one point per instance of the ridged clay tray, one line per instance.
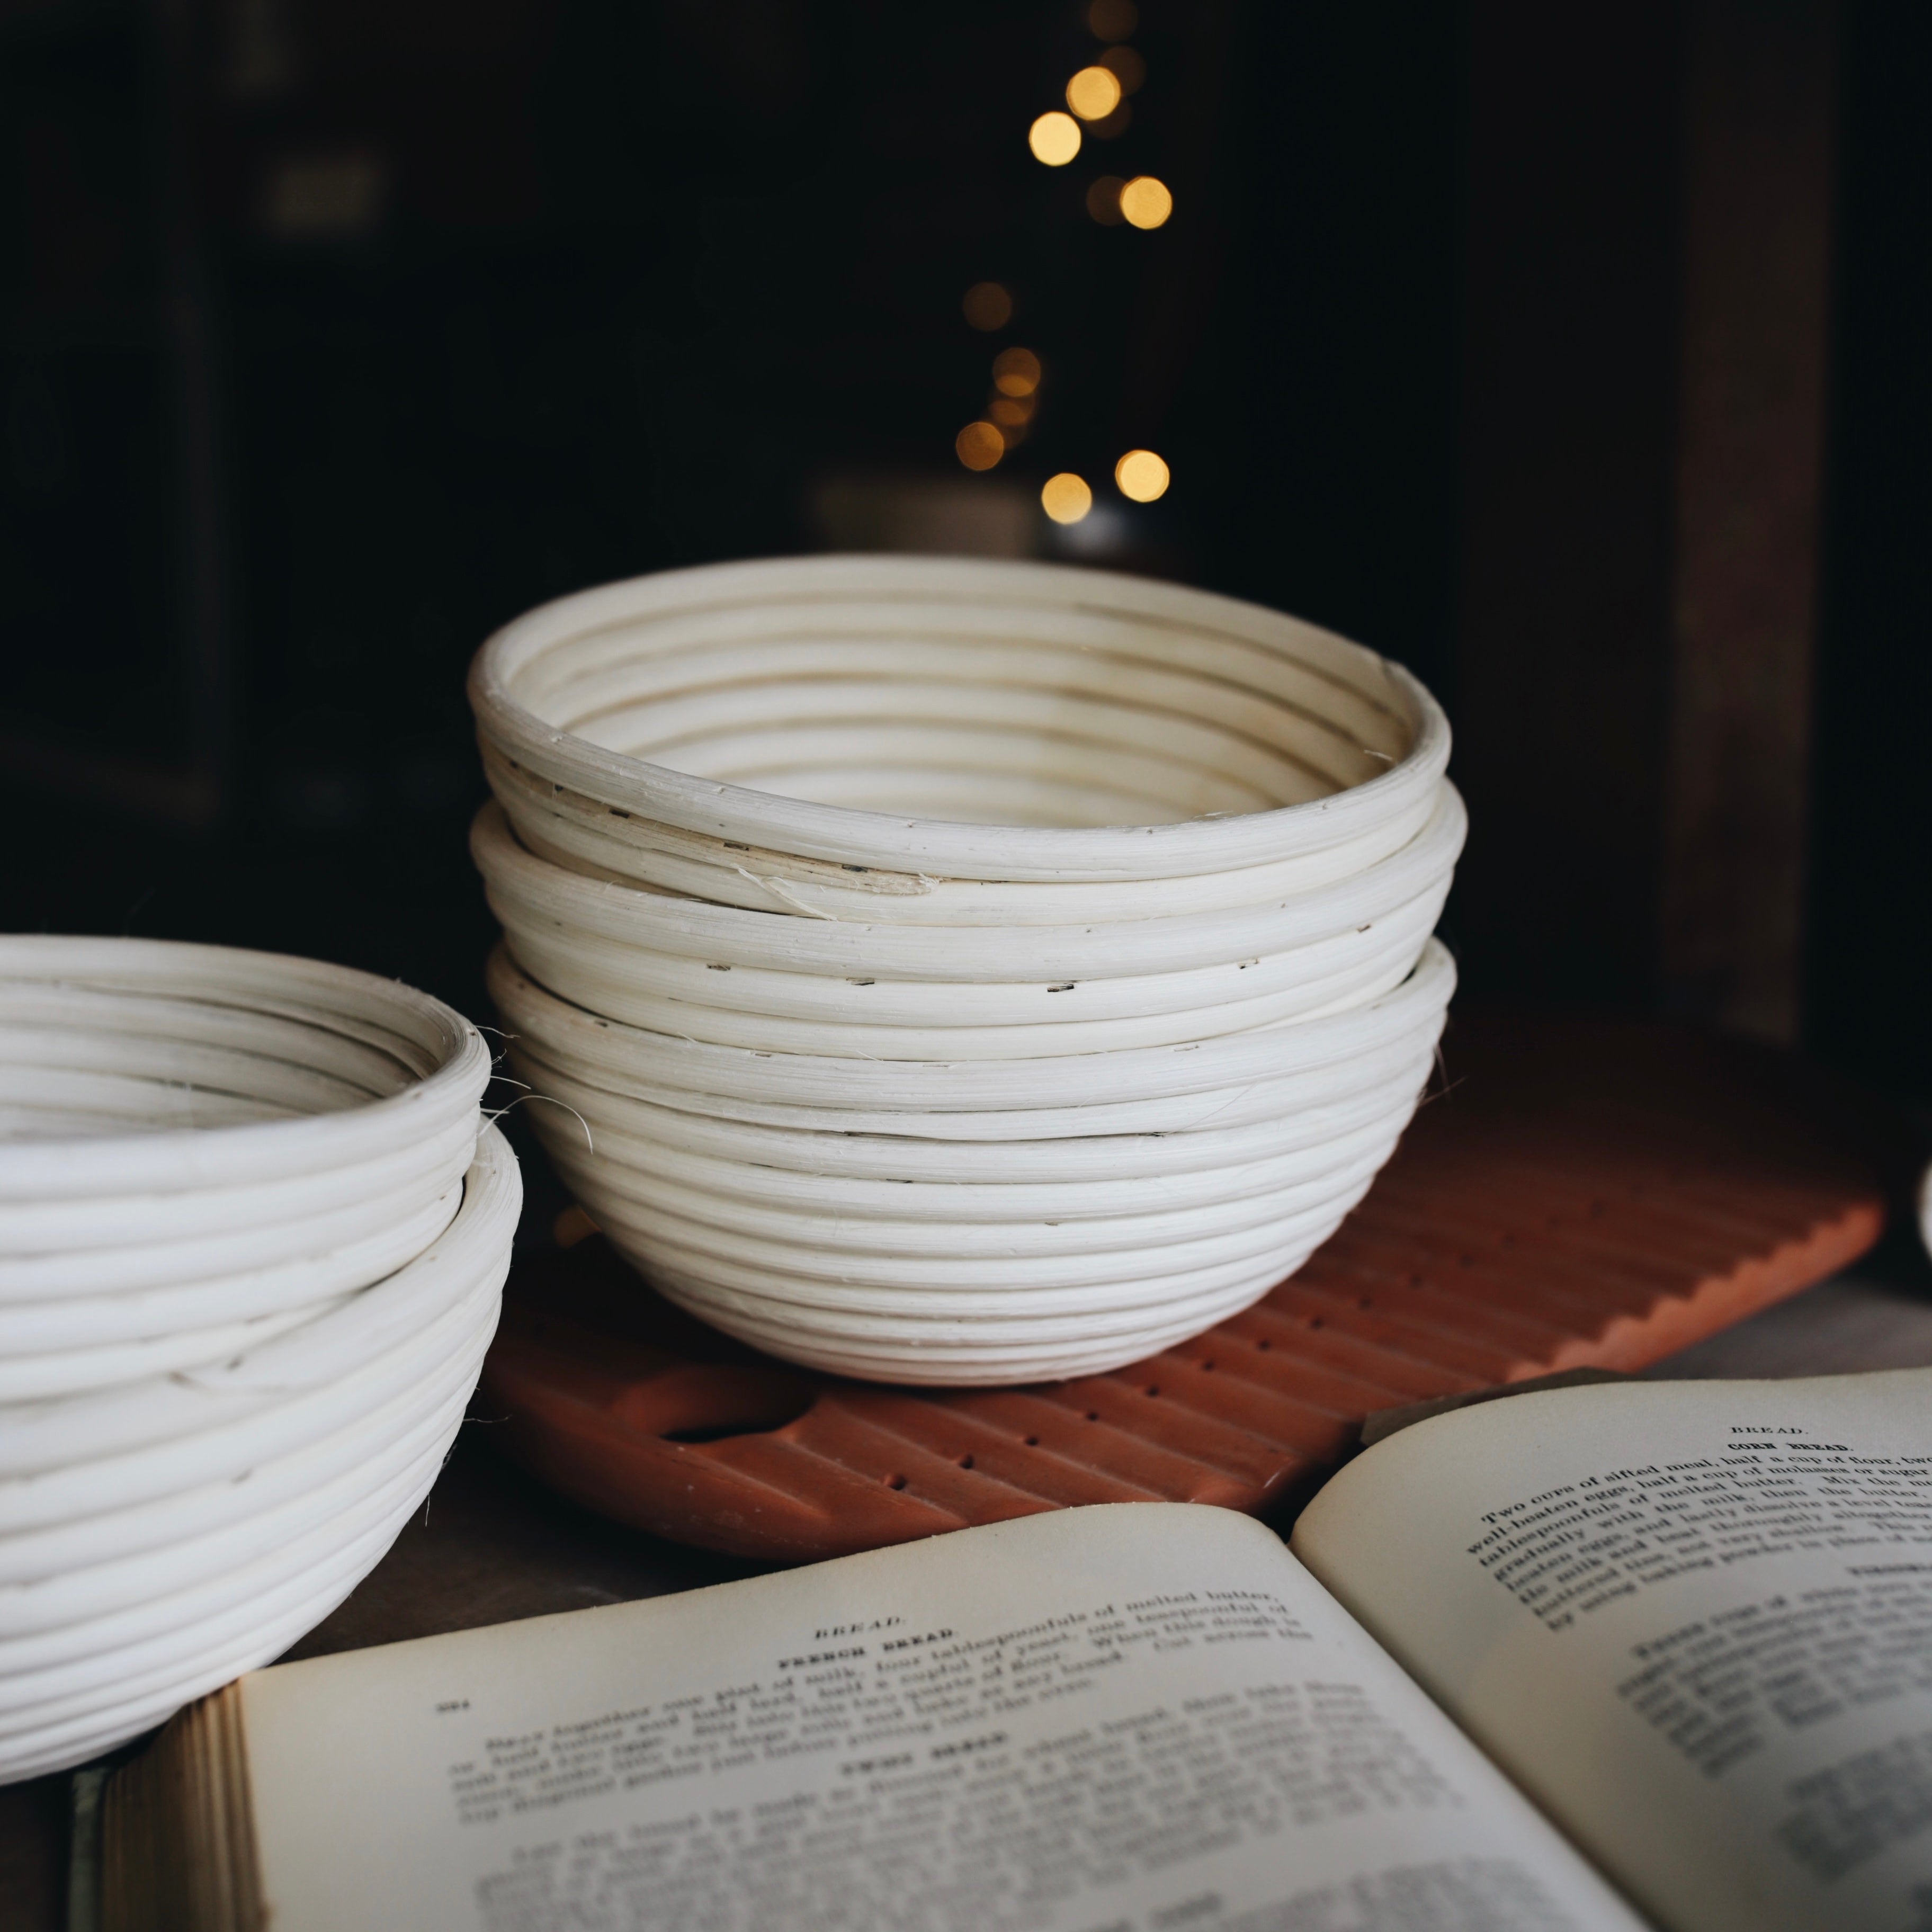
(1574, 1194)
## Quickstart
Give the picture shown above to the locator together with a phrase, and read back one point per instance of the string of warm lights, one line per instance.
(1097, 104)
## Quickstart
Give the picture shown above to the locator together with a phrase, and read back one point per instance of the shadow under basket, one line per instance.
(1581, 1194)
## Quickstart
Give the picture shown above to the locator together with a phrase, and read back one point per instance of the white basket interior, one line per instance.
(829, 707)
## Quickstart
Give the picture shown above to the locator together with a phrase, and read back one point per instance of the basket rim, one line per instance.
(170, 1159)
(886, 841)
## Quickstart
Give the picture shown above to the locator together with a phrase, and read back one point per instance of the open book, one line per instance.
(1568, 1661)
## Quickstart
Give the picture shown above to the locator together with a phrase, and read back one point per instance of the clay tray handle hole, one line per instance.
(708, 1402)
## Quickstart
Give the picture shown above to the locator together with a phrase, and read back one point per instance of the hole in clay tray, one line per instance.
(710, 1432)
(713, 1401)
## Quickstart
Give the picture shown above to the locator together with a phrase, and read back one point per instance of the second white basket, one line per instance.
(254, 1233)
(844, 897)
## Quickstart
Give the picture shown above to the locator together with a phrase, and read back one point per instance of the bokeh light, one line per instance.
(988, 306)
(1008, 411)
(1093, 93)
(1146, 201)
(1113, 19)
(980, 445)
(1016, 372)
(1142, 475)
(1054, 138)
(1103, 201)
(1065, 498)
(1127, 67)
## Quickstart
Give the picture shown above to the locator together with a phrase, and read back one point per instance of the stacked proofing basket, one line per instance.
(252, 1249)
(953, 972)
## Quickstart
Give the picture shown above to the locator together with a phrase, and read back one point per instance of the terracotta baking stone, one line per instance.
(1576, 1194)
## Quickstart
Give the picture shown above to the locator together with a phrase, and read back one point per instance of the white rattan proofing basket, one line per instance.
(958, 972)
(252, 1239)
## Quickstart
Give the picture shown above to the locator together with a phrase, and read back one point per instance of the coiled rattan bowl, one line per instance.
(252, 1239)
(957, 972)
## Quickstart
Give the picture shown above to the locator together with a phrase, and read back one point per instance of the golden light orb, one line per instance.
(1103, 201)
(1010, 411)
(1112, 19)
(1141, 476)
(988, 306)
(1093, 94)
(980, 445)
(1065, 498)
(1016, 372)
(1146, 201)
(1054, 138)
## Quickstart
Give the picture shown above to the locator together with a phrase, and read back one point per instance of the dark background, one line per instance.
(333, 334)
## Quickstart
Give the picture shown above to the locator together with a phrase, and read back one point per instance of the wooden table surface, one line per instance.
(492, 1546)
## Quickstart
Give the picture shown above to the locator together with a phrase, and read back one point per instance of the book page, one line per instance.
(1133, 1717)
(1693, 1619)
